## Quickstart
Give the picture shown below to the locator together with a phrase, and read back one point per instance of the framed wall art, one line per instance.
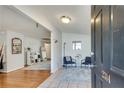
(16, 46)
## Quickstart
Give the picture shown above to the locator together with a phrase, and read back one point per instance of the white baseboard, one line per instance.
(14, 69)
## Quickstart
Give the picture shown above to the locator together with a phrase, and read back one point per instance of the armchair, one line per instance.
(69, 60)
(86, 61)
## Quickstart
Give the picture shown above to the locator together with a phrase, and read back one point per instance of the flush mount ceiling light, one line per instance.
(65, 19)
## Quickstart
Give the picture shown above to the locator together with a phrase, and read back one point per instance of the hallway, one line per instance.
(69, 78)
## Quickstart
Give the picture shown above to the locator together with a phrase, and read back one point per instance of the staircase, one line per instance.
(1, 56)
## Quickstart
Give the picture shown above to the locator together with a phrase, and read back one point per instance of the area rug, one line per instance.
(39, 66)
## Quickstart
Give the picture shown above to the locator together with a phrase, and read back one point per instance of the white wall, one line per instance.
(14, 61)
(56, 51)
(86, 44)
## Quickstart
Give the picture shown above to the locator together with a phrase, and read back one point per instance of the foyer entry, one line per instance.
(69, 78)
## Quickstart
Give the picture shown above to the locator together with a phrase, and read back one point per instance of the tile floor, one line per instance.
(69, 78)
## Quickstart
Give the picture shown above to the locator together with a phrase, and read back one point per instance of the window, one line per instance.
(77, 45)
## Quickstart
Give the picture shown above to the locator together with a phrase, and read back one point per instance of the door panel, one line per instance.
(100, 42)
(98, 38)
(118, 38)
(107, 44)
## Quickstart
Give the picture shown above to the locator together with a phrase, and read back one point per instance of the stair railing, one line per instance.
(1, 56)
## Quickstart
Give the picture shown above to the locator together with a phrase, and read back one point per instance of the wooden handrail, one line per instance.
(1, 50)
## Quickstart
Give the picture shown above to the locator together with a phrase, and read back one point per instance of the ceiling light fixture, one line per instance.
(65, 19)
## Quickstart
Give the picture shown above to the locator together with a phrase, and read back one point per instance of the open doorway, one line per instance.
(40, 59)
(46, 52)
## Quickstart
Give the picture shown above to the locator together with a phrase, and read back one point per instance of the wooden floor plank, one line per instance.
(23, 78)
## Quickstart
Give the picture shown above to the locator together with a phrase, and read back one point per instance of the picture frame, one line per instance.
(16, 46)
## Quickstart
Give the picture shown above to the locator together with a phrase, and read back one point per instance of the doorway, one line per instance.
(41, 59)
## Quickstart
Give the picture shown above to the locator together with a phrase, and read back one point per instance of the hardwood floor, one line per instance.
(23, 78)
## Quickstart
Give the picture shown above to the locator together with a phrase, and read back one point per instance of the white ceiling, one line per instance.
(49, 16)
(11, 19)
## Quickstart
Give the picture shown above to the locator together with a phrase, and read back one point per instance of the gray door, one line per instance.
(108, 46)
(100, 44)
